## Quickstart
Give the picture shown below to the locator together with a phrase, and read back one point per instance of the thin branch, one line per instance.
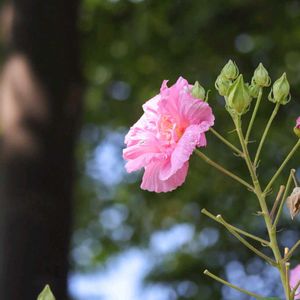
(222, 169)
(246, 243)
(226, 142)
(256, 238)
(287, 281)
(290, 253)
(273, 115)
(277, 201)
(288, 184)
(206, 272)
(289, 156)
(295, 180)
(258, 100)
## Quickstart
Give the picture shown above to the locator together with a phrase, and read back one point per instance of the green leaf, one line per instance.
(46, 294)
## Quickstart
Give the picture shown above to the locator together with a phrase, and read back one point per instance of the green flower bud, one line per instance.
(297, 131)
(261, 76)
(222, 85)
(238, 97)
(230, 71)
(254, 90)
(198, 91)
(280, 92)
(297, 127)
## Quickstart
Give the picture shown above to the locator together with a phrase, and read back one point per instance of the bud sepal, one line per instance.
(198, 91)
(261, 76)
(238, 97)
(280, 92)
(230, 71)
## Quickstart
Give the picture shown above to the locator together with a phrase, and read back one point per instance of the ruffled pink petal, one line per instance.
(294, 278)
(298, 122)
(164, 86)
(195, 111)
(142, 161)
(169, 103)
(151, 106)
(141, 153)
(139, 131)
(178, 102)
(152, 182)
(193, 136)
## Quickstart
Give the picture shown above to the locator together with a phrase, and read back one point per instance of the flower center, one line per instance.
(169, 131)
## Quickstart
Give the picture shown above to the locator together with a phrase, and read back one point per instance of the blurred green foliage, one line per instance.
(128, 48)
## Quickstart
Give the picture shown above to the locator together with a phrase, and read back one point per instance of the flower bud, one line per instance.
(261, 76)
(222, 85)
(254, 90)
(230, 71)
(297, 127)
(198, 91)
(238, 97)
(293, 202)
(280, 92)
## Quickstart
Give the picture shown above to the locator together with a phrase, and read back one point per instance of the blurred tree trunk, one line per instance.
(39, 115)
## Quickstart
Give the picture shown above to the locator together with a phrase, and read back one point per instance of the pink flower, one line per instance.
(162, 140)
(294, 279)
(298, 123)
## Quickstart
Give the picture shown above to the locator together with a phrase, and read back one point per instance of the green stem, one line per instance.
(254, 114)
(245, 233)
(295, 180)
(277, 201)
(290, 253)
(274, 113)
(289, 156)
(222, 169)
(262, 201)
(226, 142)
(287, 188)
(246, 243)
(287, 280)
(206, 272)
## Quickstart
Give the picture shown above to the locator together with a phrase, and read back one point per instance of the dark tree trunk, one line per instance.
(39, 114)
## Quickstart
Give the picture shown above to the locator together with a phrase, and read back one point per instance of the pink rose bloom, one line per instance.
(294, 279)
(298, 123)
(162, 140)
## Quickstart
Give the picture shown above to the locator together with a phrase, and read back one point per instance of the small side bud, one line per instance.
(238, 97)
(222, 85)
(297, 127)
(261, 76)
(293, 202)
(230, 71)
(254, 90)
(280, 92)
(198, 91)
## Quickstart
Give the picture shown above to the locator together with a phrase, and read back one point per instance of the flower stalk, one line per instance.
(257, 104)
(226, 142)
(287, 188)
(238, 230)
(290, 252)
(261, 143)
(277, 201)
(256, 296)
(222, 169)
(278, 172)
